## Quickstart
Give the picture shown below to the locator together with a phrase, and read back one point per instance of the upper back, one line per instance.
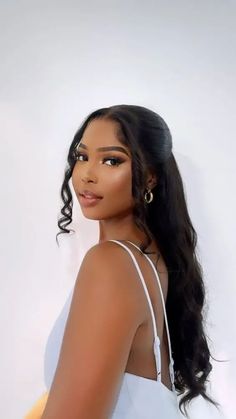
(141, 359)
(146, 391)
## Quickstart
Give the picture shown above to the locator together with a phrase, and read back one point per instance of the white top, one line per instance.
(139, 397)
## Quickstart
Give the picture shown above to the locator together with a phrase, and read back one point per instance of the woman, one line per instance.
(134, 336)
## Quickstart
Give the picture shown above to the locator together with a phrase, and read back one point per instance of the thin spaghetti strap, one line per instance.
(156, 343)
(171, 364)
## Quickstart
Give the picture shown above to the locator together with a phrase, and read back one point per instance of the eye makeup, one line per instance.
(117, 160)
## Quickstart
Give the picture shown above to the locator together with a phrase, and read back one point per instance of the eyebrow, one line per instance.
(116, 148)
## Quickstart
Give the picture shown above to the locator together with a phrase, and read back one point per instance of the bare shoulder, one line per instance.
(107, 255)
(107, 258)
(104, 249)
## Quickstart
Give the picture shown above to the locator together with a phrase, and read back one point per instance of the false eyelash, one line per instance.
(77, 154)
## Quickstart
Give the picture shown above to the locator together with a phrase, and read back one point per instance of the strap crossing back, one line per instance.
(157, 351)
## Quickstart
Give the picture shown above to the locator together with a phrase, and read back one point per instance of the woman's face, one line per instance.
(106, 173)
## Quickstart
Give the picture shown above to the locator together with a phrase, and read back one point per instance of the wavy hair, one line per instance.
(167, 221)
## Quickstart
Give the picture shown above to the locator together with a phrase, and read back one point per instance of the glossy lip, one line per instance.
(89, 193)
(87, 202)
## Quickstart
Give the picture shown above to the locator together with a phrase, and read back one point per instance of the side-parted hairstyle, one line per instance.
(166, 220)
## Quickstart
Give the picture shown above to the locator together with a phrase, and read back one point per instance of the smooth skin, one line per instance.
(109, 314)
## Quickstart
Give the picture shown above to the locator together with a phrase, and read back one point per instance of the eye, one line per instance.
(114, 159)
(117, 161)
(78, 155)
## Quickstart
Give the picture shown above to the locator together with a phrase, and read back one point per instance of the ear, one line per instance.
(151, 180)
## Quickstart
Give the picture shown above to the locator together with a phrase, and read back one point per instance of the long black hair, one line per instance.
(166, 220)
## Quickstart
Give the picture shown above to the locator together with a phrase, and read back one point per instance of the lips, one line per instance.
(90, 195)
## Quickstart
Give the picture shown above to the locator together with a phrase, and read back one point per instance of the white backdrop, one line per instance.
(59, 61)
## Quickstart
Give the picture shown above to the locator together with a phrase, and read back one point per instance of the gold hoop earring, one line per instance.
(149, 192)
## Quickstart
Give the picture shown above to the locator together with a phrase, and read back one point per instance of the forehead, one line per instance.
(102, 132)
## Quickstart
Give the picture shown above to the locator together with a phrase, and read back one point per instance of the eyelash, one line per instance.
(118, 160)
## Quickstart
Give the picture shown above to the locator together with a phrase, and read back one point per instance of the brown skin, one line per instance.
(109, 329)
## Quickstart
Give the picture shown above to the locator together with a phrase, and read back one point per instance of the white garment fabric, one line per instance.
(139, 397)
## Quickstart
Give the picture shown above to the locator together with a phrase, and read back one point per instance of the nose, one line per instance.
(87, 179)
(88, 175)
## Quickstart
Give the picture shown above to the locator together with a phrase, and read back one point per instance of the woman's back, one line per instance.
(141, 360)
(143, 394)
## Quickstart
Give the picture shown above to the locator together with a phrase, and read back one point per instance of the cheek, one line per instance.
(118, 189)
(75, 181)
(119, 181)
